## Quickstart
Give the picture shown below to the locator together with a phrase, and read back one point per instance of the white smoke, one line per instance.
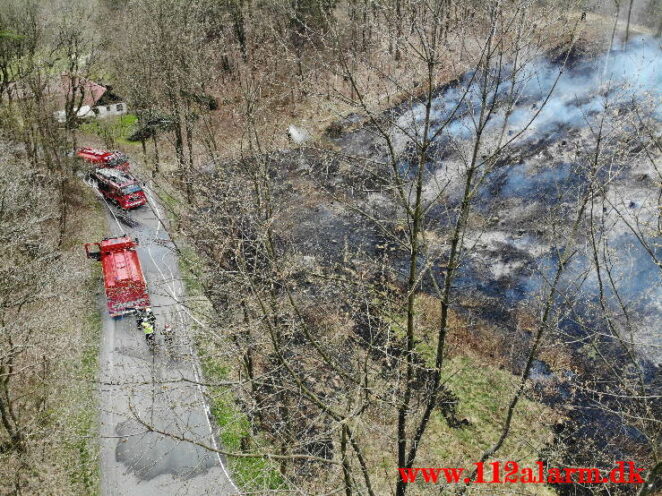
(627, 78)
(632, 74)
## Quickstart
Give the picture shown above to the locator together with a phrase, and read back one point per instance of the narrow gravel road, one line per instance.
(141, 389)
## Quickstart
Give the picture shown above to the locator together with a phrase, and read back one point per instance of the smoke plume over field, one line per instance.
(548, 115)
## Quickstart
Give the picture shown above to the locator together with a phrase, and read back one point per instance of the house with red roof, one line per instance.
(93, 100)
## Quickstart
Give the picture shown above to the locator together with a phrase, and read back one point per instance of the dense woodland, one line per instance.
(377, 284)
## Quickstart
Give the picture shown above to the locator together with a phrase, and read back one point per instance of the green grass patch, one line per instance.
(251, 474)
(171, 205)
(484, 392)
(189, 266)
(112, 130)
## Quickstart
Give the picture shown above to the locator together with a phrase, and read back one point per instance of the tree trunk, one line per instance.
(627, 26)
(155, 171)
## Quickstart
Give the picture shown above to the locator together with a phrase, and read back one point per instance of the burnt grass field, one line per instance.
(328, 201)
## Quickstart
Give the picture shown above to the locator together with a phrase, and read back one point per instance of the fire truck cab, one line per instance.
(120, 188)
(103, 158)
(126, 289)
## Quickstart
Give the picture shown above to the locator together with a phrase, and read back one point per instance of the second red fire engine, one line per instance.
(120, 188)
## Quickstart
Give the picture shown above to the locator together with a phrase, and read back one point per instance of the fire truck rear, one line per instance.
(126, 289)
(103, 158)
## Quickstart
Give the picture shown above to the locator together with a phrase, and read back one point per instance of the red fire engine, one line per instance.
(102, 158)
(126, 290)
(120, 188)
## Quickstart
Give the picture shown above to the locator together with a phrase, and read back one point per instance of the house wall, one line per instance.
(109, 110)
(100, 111)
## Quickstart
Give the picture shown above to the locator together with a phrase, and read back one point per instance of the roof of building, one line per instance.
(91, 92)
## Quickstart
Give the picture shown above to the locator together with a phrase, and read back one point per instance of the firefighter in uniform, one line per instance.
(150, 317)
(146, 321)
(148, 329)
